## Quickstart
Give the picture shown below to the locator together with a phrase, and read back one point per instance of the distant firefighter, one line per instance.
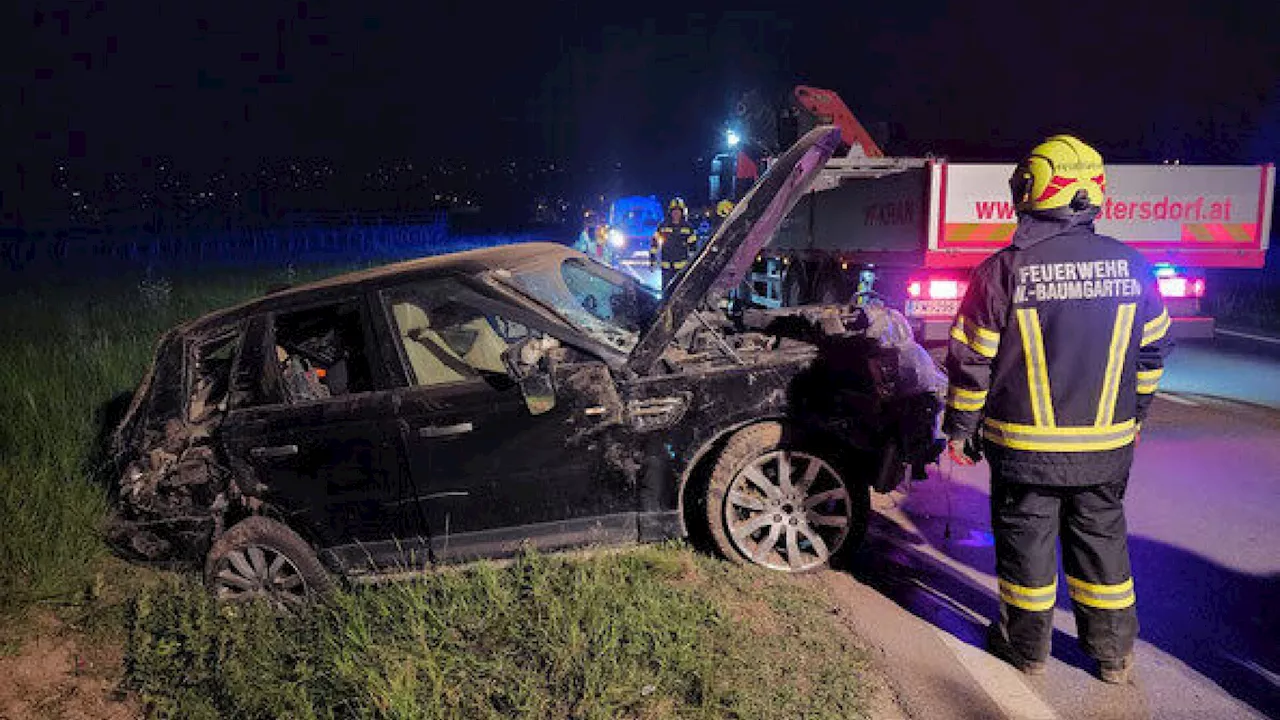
(675, 243)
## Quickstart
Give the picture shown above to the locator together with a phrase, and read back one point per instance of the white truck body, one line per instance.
(900, 222)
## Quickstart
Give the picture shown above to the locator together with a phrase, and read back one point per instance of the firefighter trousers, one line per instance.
(1027, 519)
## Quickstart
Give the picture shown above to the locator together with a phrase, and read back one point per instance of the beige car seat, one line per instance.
(428, 368)
(486, 352)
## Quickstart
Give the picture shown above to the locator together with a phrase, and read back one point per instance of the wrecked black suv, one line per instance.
(463, 406)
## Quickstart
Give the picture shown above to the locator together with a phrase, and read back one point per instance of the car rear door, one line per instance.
(492, 475)
(326, 455)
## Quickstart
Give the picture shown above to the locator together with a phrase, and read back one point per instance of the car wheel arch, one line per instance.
(700, 463)
(843, 454)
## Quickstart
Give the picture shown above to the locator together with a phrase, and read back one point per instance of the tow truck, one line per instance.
(909, 230)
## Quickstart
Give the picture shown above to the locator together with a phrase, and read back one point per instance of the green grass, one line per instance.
(66, 349)
(650, 633)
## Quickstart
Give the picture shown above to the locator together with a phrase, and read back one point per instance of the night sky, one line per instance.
(648, 84)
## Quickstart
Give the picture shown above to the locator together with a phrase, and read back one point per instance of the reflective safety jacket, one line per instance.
(1056, 352)
(673, 246)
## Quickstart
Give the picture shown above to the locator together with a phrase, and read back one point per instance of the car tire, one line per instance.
(783, 506)
(259, 558)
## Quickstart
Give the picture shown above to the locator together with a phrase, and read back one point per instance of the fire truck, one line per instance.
(909, 230)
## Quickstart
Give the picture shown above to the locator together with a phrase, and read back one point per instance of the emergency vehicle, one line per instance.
(632, 222)
(909, 230)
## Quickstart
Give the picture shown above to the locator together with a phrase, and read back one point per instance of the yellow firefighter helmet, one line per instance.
(723, 208)
(678, 202)
(1063, 173)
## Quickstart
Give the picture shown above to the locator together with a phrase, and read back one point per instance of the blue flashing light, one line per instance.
(1165, 270)
(732, 138)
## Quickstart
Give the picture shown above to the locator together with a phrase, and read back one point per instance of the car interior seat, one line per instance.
(426, 351)
(486, 352)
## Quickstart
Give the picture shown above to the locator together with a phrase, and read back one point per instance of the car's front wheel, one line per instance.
(261, 558)
(781, 507)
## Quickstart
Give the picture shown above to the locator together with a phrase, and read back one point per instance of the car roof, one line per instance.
(519, 256)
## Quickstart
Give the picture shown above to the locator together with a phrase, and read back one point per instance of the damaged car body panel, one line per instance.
(466, 405)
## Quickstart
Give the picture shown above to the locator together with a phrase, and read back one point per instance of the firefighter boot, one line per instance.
(1117, 672)
(999, 646)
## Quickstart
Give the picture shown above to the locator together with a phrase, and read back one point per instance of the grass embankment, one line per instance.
(650, 633)
(654, 633)
(66, 349)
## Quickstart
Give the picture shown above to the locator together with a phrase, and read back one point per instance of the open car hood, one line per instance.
(727, 257)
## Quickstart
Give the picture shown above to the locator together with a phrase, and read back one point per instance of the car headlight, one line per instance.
(617, 238)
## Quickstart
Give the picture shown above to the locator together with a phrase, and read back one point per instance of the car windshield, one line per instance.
(606, 305)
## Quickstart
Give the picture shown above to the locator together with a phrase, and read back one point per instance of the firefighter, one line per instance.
(675, 243)
(1054, 358)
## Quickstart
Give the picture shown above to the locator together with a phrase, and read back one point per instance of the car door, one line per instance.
(314, 426)
(491, 473)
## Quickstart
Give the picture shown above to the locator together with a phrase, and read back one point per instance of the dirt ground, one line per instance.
(51, 672)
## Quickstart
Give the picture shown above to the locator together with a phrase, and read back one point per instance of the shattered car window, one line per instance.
(604, 304)
(318, 353)
(212, 377)
(446, 339)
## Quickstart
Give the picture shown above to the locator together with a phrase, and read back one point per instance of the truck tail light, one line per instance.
(944, 289)
(1173, 284)
(1181, 287)
(936, 289)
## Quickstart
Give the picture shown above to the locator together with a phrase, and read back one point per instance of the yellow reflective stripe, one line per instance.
(1121, 332)
(1156, 329)
(966, 400)
(1149, 380)
(1060, 431)
(1035, 599)
(1098, 588)
(981, 340)
(1037, 367)
(990, 336)
(1106, 597)
(1059, 439)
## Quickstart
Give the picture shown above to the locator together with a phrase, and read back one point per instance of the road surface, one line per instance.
(1202, 505)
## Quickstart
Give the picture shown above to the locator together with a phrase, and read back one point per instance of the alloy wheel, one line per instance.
(259, 571)
(788, 511)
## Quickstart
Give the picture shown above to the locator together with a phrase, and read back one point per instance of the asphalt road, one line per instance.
(1202, 506)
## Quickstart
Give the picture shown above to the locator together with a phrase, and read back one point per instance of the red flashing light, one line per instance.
(1197, 287)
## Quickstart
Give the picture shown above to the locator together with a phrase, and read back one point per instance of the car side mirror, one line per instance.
(529, 364)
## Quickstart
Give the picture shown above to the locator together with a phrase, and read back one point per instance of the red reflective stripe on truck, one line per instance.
(969, 234)
(1220, 232)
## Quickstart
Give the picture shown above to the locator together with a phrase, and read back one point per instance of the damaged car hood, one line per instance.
(727, 257)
